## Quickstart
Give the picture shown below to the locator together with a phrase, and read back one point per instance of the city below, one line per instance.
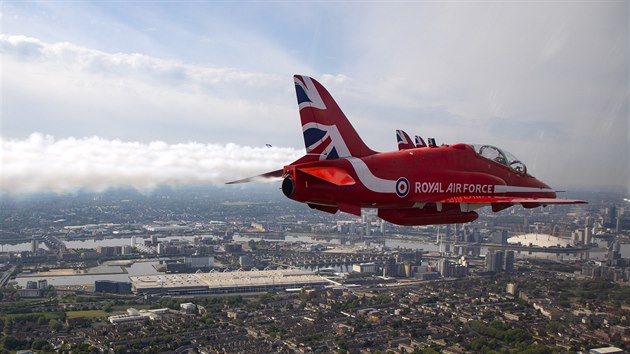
(225, 270)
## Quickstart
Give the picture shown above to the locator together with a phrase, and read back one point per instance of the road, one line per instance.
(4, 279)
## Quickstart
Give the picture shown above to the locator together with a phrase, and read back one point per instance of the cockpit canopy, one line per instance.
(500, 156)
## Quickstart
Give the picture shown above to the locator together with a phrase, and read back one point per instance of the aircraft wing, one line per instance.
(272, 174)
(512, 200)
(498, 203)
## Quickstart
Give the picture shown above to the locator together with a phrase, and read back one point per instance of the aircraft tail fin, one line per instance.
(420, 142)
(404, 141)
(327, 132)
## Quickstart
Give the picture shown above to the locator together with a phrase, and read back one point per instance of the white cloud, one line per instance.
(123, 65)
(43, 163)
(64, 89)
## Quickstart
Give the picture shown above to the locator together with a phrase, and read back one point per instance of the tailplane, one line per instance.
(327, 132)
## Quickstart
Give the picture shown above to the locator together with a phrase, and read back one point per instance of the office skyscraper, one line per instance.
(494, 261)
(508, 264)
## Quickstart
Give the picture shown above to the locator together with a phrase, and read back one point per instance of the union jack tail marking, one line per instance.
(420, 142)
(327, 131)
(404, 141)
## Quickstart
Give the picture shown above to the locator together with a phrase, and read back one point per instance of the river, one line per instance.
(147, 267)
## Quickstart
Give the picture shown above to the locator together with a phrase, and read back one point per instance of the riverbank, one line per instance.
(69, 272)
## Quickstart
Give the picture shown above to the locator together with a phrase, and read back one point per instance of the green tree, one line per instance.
(38, 344)
(54, 325)
(12, 343)
(8, 326)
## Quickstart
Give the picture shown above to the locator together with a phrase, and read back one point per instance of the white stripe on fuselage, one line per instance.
(371, 182)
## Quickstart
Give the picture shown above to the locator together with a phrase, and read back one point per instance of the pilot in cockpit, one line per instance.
(500, 156)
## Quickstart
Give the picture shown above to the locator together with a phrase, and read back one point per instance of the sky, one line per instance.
(143, 93)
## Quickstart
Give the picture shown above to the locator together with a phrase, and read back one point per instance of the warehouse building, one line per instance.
(135, 315)
(226, 282)
(110, 286)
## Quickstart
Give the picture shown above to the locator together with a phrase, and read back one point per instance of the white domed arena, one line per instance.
(540, 240)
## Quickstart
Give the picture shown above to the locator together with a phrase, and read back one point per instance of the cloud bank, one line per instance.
(42, 163)
(64, 89)
(156, 70)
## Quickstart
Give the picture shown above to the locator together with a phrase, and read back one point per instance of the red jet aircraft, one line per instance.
(414, 186)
